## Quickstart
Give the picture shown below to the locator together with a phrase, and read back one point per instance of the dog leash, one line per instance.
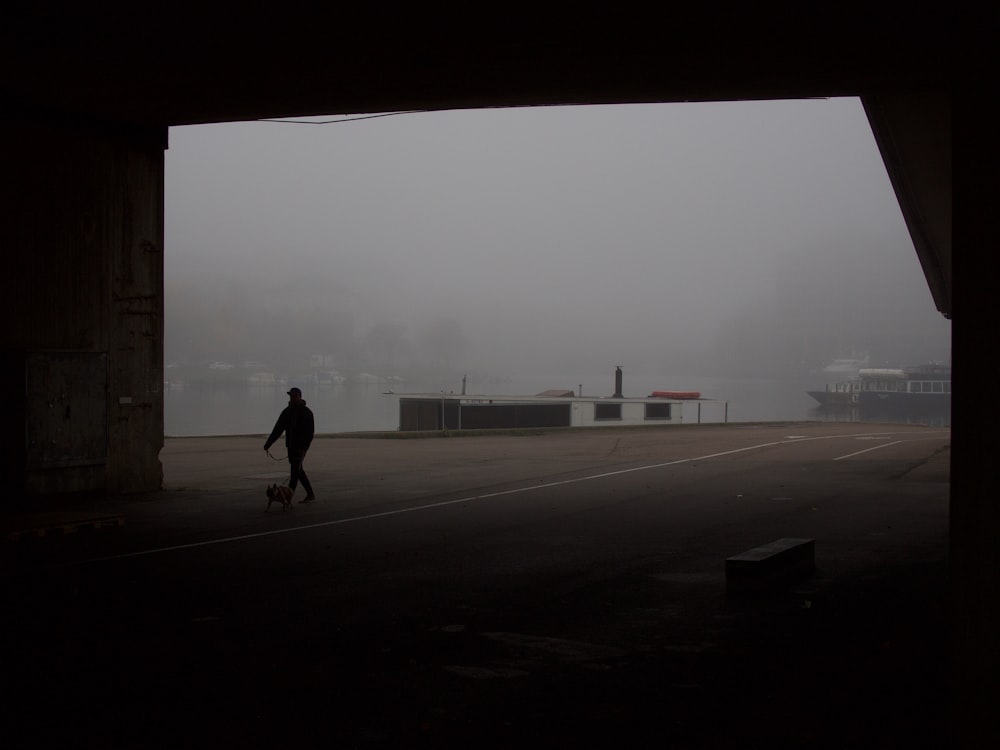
(273, 458)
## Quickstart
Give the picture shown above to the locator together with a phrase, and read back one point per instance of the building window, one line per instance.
(607, 411)
(657, 411)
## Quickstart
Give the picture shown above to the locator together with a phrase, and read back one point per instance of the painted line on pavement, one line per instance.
(869, 450)
(485, 496)
(884, 445)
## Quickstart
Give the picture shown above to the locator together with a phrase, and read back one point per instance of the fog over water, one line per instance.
(714, 240)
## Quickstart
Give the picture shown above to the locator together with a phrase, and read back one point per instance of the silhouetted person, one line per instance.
(296, 421)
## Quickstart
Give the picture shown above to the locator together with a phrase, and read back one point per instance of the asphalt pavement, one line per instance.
(561, 588)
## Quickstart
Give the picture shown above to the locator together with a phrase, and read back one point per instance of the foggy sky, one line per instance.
(570, 237)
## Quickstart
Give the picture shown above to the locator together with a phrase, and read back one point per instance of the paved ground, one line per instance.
(565, 589)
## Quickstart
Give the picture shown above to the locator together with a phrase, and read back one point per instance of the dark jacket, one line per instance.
(296, 421)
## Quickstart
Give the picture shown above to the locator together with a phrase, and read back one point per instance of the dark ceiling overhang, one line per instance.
(167, 67)
(175, 69)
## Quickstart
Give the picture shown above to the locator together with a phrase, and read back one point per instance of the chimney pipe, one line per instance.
(618, 382)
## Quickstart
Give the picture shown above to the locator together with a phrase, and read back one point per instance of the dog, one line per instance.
(277, 493)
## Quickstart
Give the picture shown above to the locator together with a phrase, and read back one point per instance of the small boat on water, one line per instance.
(925, 389)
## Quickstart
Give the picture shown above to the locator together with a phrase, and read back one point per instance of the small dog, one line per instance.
(278, 493)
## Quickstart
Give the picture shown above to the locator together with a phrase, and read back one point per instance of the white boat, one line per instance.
(846, 366)
(925, 389)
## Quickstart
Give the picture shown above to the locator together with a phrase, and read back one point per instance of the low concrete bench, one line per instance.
(770, 565)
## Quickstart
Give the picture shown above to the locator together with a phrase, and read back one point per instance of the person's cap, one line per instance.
(294, 392)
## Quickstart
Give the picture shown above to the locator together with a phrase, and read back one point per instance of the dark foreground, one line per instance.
(554, 590)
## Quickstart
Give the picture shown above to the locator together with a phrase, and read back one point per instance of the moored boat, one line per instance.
(844, 393)
(925, 389)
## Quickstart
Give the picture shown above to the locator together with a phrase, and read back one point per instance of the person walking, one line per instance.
(296, 421)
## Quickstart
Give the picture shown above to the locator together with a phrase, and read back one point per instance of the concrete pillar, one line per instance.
(974, 555)
(81, 335)
(914, 132)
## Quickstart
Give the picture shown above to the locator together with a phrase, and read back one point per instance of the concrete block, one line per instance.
(771, 565)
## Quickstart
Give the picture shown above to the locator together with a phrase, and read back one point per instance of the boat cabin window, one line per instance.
(607, 411)
(657, 411)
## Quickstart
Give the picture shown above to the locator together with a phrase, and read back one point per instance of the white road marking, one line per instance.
(869, 450)
(883, 445)
(486, 496)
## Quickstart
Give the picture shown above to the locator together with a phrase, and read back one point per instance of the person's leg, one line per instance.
(295, 465)
(299, 475)
(305, 484)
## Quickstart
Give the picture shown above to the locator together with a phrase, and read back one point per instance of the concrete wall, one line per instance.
(81, 337)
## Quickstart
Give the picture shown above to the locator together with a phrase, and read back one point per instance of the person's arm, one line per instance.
(310, 429)
(279, 427)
